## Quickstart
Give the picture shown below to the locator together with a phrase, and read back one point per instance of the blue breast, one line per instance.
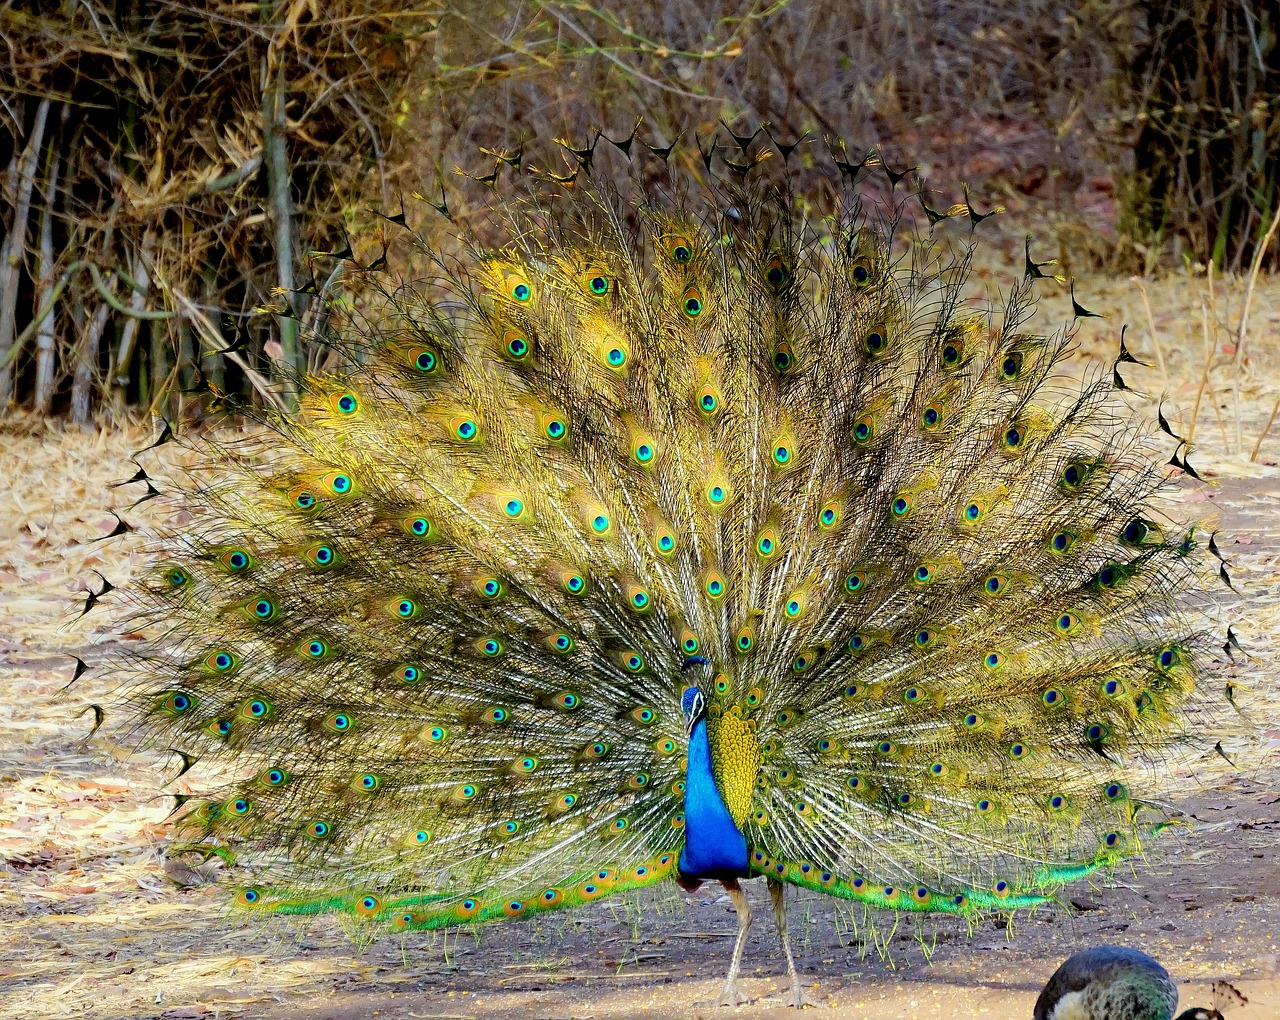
(713, 846)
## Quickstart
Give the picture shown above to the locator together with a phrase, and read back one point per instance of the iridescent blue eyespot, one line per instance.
(347, 403)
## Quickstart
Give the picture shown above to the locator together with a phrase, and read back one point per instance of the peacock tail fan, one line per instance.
(431, 632)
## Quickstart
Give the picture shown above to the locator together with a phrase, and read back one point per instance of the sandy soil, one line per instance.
(94, 924)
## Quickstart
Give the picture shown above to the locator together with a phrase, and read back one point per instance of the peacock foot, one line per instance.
(730, 995)
(797, 997)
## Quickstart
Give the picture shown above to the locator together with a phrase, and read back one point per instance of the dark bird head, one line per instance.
(694, 706)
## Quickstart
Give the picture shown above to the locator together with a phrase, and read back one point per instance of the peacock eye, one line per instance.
(776, 276)
(692, 302)
(598, 284)
(516, 345)
(681, 250)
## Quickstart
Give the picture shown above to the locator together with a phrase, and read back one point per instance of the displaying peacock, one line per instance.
(679, 536)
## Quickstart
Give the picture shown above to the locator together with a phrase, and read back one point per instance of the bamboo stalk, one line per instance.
(280, 202)
(85, 373)
(47, 330)
(15, 244)
(129, 334)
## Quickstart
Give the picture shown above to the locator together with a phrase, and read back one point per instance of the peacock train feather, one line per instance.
(675, 536)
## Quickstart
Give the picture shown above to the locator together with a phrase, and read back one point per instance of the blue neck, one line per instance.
(713, 846)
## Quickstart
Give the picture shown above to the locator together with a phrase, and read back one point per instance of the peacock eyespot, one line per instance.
(1112, 688)
(745, 640)
(993, 660)
(716, 495)
(616, 357)
(886, 747)
(409, 674)
(338, 722)
(900, 506)
(923, 637)
(776, 276)
(912, 695)
(369, 782)
(347, 404)
(1011, 367)
(599, 285)
(526, 765)
(465, 429)
(1052, 698)
(555, 428)
(263, 609)
(639, 599)
(858, 642)
(514, 508)
(923, 574)
(950, 355)
(783, 358)
(221, 661)
(1167, 658)
(633, 662)
(321, 555)
(406, 609)
(861, 272)
(862, 431)
(855, 582)
(972, 512)
(176, 577)
(973, 720)
(339, 484)
(1067, 622)
(876, 341)
(562, 643)
(765, 545)
(1012, 437)
(801, 663)
(1057, 802)
(274, 777)
(1018, 751)
(249, 897)
(496, 715)
(666, 542)
(930, 418)
(995, 584)
(781, 455)
(419, 527)
(574, 584)
(315, 649)
(689, 643)
(715, 586)
(681, 251)
(492, 647)
(521, 291)
(220, 727)
(517, 346)
(828, 516)
(256, 709)
(425, 362)
(1115, 791)
(600, 524)
(491, 587)
(318, 829)
(437, 734)
(178, 703)
(692, 303)
(236, 560)
(643, 453)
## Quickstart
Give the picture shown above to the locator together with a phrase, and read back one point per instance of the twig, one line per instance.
(1151, 325)
(1242, 328)
(1265, 429)
(1204, 376)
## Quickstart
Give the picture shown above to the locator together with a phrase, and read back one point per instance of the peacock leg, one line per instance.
(777, 893)
(730, 996)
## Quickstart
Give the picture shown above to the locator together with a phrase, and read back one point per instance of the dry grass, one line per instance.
(92, 924)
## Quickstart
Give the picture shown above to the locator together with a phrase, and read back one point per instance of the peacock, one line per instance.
(688, 531)
(1113, 983)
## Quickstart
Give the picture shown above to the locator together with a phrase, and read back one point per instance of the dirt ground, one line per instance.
(94, 924)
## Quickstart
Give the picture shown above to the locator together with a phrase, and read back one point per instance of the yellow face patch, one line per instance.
(735, 762)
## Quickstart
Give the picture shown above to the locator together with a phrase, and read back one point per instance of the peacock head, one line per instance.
(694, 706)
